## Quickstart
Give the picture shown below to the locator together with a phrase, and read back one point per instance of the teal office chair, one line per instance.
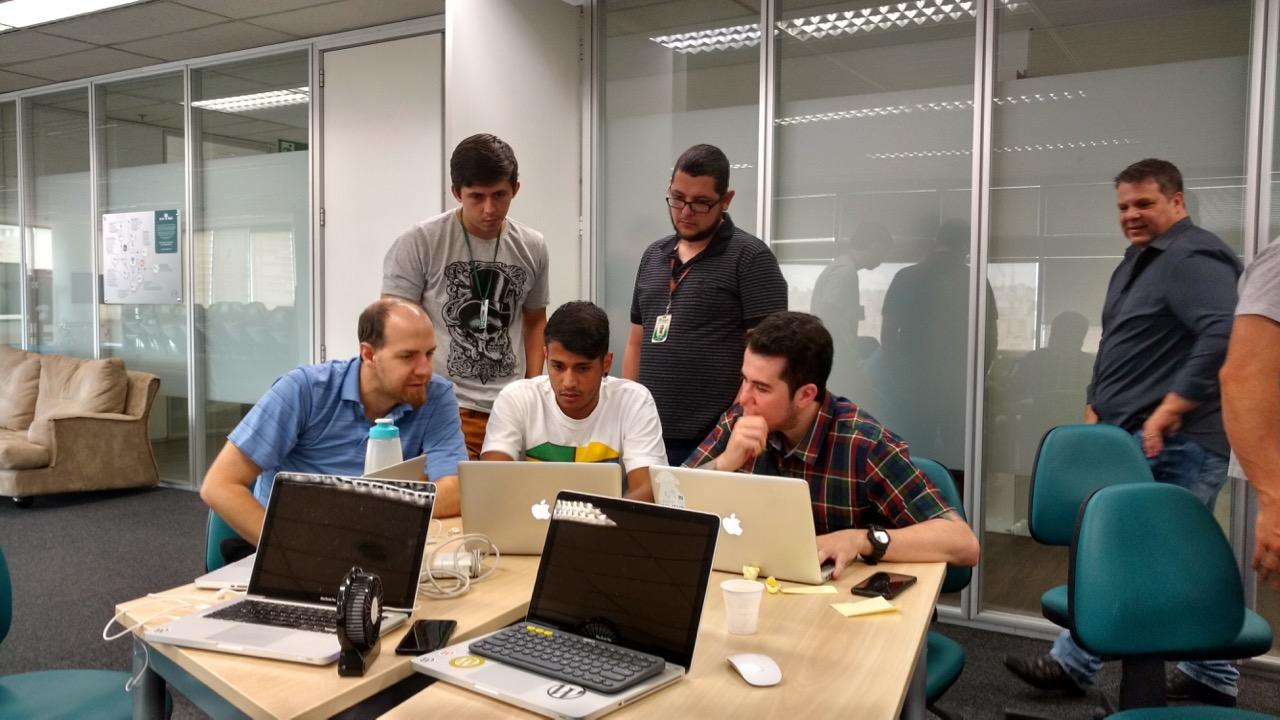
(216, 531)
(1152, 578)
(58, 694)
(944, 658)
(1074, 461)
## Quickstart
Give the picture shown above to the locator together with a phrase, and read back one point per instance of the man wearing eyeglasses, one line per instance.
(697, 293)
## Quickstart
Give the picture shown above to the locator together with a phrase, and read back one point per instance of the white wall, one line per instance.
(512, 69)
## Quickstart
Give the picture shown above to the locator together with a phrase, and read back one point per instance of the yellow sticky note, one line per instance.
(810, 590)
(870, 606)
(771, 584)
(750, 572)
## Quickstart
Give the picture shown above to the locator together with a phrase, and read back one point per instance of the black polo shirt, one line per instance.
(730, 286)
(1165, 326)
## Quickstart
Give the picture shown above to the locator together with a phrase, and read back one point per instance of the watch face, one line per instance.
(882, 536)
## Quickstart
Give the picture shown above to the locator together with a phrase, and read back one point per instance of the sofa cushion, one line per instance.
(19, 380)
(71, 386)
(17, 453)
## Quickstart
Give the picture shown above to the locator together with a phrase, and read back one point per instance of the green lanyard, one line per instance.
(475, 278)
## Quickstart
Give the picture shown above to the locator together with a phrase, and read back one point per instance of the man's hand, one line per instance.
(1090, 417)
(843, 547)
(1166, 419)
(749, 439)
(1266, 549)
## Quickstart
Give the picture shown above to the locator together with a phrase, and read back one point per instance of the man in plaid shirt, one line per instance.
(868, 499)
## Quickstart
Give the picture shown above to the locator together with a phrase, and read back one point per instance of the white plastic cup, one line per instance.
(742, 605)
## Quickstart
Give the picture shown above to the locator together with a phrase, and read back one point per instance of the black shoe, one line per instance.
(1043, 672)
(1184, 689)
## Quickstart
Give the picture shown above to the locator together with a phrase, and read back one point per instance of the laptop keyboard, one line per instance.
(595, 665)
(294, 617)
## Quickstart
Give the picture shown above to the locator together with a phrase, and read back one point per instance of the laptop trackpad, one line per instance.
(255, 636)
(510, 679)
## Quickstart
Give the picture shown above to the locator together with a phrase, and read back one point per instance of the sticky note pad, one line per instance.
(870, 606)
(810, 590)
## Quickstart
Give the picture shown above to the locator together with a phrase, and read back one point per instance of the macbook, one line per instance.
(511, 501)
(765, 521)
(614, 614)
(317, 528)
(411, 470)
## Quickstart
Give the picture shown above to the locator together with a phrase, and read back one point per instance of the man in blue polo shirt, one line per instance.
(316, 419)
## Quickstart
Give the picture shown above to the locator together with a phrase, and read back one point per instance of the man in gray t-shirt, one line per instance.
(482, 277)
(1251, 401)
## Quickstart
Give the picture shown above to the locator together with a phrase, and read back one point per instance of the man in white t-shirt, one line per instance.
(482, 278)
(576, 412)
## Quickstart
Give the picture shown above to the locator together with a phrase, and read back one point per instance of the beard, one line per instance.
(698, 236)
(414, 397)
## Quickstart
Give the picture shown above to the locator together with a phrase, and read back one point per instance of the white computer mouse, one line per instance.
(759, 670)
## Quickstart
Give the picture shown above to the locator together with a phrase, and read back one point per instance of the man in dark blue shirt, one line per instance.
(1165, 326)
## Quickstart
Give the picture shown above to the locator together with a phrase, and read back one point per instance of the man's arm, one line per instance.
(1090, 417)
(1164, 420)
(496, 456)
(946, 538)
(226, 491)
(631, 355)
(535, 322)
(1251, 410)
(638, 485)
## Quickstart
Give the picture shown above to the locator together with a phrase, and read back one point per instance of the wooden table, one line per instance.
(223, 684)
(831, 665)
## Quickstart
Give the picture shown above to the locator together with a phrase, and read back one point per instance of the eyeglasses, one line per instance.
(698, 207)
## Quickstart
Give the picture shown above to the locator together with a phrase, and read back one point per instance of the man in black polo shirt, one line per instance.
(697, 293)
(1165, 325)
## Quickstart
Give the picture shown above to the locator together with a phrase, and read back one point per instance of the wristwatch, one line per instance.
(879, 539)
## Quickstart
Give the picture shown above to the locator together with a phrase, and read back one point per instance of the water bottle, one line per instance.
(383, 449)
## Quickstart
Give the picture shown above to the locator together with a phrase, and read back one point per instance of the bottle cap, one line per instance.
(384, 429)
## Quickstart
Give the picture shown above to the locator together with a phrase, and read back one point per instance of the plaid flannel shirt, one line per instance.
(858, 471)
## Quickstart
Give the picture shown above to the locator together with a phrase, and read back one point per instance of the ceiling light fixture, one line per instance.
(255, 101)
(937, 106)
(1032, 147)
(880, 18)
(25, 13)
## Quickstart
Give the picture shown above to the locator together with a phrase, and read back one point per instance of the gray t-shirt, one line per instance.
(430, 263)
(1259, 295)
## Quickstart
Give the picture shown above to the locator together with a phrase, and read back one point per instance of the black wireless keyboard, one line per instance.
(592, 664)
(295, 617)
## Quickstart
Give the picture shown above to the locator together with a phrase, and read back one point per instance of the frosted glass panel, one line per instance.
(10, 239)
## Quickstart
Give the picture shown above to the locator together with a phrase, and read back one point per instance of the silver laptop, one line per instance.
(511, 501)
(618, 578)
(766, 521)
(317, 528)
(412, 470)
(232, 576)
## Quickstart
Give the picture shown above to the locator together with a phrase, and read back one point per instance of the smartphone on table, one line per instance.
(887, 585)
(426, 636)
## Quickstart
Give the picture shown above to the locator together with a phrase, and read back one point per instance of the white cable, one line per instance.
(470, 550)
(179, 602)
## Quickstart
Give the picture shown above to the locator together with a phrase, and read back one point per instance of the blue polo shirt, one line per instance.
(311, 420)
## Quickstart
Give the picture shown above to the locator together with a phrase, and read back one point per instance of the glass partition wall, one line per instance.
(10, 239)
(956, 243)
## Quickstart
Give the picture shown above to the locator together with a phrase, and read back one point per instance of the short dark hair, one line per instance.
(801, 340)
(580, 327)
(1165, 173)
(372, 326)
(482, 159)
(705, 161)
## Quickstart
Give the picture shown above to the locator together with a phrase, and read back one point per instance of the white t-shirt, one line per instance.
(527, 424)
(430, 263)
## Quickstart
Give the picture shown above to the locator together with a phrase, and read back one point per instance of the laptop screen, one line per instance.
(319, 526)
(631, 573)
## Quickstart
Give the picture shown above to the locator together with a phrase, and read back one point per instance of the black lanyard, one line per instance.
(475, 278)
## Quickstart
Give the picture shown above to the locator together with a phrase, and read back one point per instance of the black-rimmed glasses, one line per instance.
(698, 207)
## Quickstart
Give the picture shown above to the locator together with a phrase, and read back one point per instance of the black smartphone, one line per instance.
(426, 636)
(883, 584)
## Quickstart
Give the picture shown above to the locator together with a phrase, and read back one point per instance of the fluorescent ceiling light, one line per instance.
(24, 13)
(1030, 147)
(894, 16)
(937, 106)
(256, 101)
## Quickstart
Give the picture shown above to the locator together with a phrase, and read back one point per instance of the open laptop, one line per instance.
(410, 470)
(510, 501)
(232, 576)
(317, 528)
(766, 521)
(618, 579)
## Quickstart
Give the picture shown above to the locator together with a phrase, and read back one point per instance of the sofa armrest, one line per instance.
(103, 444)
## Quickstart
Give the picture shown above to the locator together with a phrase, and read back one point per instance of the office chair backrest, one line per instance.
(216, 531)
(6, 598)
(1073, 461)
(1151, 573)
(957, 578)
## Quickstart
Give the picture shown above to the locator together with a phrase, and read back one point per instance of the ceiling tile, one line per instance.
(348, 15)
(206, 41)
(240, 9)
(22, 45)
(132, 23)
(13, 81)
(98, 61)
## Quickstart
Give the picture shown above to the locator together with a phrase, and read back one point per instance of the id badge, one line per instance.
(661, 326)
(484, 315)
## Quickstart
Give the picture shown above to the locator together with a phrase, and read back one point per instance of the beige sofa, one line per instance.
(69, 424)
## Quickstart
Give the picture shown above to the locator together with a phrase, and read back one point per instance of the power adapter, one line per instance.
(463, 561)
